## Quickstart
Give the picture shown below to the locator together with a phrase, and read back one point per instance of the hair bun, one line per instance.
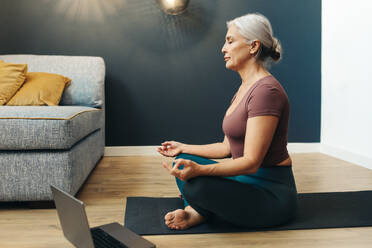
(276, 50)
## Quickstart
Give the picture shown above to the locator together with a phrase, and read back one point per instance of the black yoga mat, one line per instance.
(145, 215)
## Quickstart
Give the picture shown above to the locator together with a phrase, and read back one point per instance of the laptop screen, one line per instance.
(73, 219)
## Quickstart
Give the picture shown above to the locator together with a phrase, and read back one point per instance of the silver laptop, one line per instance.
(74, 222)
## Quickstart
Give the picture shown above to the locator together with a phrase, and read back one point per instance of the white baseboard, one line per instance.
(347, 156)
(152, 150)
(115, 151)
(118, 151)
(303, 147)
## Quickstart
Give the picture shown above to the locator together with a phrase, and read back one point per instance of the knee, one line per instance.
(196, 188)
(185, 156)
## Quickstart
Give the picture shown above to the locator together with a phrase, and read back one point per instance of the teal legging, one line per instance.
(266, 198)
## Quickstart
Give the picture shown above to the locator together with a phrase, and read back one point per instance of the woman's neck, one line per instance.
(251, 73)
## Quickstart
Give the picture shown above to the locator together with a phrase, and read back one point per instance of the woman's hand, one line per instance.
(170, 148)
(190, 169)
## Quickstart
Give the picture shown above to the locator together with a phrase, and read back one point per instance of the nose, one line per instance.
(223, 50)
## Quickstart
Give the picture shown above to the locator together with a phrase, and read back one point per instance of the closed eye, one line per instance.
(229, 39)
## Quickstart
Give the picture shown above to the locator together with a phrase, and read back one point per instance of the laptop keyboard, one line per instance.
(102, 239)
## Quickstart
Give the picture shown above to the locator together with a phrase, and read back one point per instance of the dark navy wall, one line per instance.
(166, 77)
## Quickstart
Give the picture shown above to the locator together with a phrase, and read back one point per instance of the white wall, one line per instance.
(346, 121)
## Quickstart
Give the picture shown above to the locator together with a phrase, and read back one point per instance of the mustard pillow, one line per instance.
(40, 88)
(12, 77)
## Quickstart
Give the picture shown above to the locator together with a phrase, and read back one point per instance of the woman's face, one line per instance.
(236, 50)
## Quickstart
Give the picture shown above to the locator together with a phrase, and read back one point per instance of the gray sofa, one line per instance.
(59, 145)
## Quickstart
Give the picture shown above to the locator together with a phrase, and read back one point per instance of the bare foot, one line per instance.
(181, 219)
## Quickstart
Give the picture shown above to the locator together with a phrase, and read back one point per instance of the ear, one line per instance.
(255, 46)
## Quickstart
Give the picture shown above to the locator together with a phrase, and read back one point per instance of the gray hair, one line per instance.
(256, 26)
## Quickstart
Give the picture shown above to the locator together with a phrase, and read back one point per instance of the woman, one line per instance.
(256, 188)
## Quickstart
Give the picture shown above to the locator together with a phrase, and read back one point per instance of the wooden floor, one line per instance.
(116, 178)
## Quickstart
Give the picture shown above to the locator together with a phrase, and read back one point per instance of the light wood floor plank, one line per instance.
(116, 178)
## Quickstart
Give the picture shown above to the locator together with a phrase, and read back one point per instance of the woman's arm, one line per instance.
(259, 133)
(215, 150)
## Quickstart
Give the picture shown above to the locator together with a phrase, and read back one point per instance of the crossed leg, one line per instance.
(180, 219)
(232, 201)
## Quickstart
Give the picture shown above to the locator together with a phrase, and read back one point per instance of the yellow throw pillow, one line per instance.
(12, 77)
(40, 88)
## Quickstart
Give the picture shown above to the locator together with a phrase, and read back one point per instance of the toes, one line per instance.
(172, 226)
(181, 227)
(169, 224)
(178, 227)
(169, 216)
(176, 219)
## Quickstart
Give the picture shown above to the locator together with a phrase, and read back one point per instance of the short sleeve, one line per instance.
(265, 99)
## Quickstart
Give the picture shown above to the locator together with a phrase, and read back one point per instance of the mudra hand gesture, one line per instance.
(190, 169)
(170, 148)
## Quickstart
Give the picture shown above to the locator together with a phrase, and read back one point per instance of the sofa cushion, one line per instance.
(46, 127)
(87, 75)
(40, 89)
(12, 77)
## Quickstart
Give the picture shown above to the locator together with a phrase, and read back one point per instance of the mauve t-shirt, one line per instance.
(264, 97)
